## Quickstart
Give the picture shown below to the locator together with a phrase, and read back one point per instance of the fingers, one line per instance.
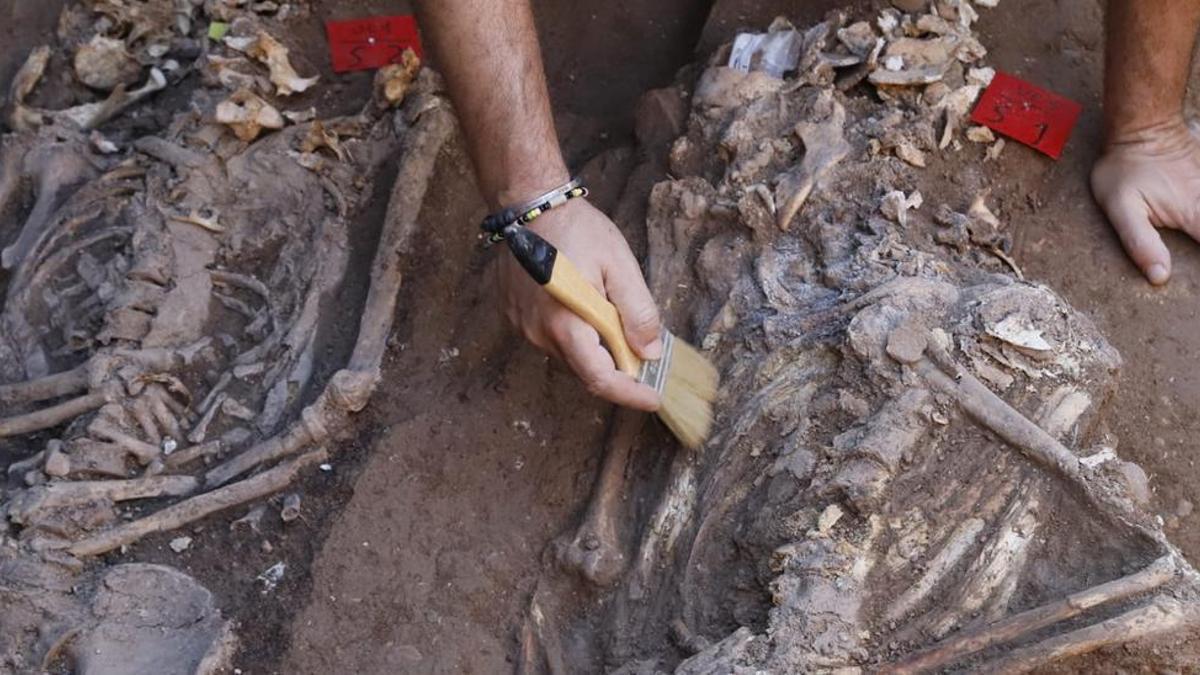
(626, 288)
(1142, 241)
(580, 346)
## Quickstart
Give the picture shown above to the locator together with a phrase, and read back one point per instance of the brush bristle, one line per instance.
(688, 395)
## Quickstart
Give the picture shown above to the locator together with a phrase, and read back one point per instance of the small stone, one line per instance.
(266, 546)
(660, 116)
(910, 6)
(1136, 481)
(1184, 509)
(180, 544)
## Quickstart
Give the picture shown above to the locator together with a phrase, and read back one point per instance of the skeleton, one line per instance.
(909, 472)
(161, 330)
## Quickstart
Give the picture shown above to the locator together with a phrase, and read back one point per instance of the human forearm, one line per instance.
(1147, 62)
(488, 51)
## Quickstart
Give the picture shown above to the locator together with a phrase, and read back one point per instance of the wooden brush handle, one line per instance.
(570, 288)
(566, 284)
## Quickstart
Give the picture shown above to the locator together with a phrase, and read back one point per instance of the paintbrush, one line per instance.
(685, 380)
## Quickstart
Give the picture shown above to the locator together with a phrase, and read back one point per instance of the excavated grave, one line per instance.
(910, 471)
(166, 296)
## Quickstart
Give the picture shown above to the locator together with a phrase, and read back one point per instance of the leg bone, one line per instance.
(596, 552)
(195, 508)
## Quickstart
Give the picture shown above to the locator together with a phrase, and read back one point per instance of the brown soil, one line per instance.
(418, 552)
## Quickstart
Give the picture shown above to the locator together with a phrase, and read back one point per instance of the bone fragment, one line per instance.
(17, 115)
(247, 115)
(105, 430)
(290, 442)
(994, 413)
(960, 544)
(197, 507)
(275, 56)
(52, 386)
(91, 115)
(421, 147)
(824, 146)
(52, 416)
(595, 552)
(103, 63)
(1030, 621)
(1161, 616)
(25, 506)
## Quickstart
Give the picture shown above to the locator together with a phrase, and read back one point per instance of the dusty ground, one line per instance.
(417, 553)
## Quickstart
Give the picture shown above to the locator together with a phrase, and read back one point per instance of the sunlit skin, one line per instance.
(1149, 174)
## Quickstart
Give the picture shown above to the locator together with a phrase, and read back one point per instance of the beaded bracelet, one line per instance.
(498, 223)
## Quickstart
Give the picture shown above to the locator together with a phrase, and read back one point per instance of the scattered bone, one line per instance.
(896, 205)
(395, 79)
(104, 64)
(275, 56)
(271, 577)
(248, 115)
(180, 544)
(979, 134)
(199, 218)
(910, 154)
(17, 115)
(829, 517)
(994, 150)
(291, 508)
(91, 115)
(824, 146)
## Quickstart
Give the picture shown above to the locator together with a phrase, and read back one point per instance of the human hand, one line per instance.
(1150, 180)
(590, 240)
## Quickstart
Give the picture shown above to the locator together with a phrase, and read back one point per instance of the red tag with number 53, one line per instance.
(1038, 118)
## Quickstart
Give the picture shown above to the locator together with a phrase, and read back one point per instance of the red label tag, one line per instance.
(362, 44)
(1038, 118)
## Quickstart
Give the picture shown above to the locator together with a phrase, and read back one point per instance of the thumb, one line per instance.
(1131, 219)
(626, 288)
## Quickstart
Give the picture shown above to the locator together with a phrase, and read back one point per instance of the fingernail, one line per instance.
(653, 351)
(1158, 274)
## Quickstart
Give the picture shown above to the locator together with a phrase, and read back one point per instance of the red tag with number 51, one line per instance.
(1038, 118)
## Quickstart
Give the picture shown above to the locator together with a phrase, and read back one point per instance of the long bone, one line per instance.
(595, 551)
(1162, 616)
(61, 494)
(195, 508)
(1030, 621)
(53, 415)
(350, 388)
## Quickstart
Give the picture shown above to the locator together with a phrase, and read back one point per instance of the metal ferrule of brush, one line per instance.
(654, 373)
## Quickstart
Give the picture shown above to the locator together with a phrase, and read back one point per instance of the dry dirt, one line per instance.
(418, 552)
